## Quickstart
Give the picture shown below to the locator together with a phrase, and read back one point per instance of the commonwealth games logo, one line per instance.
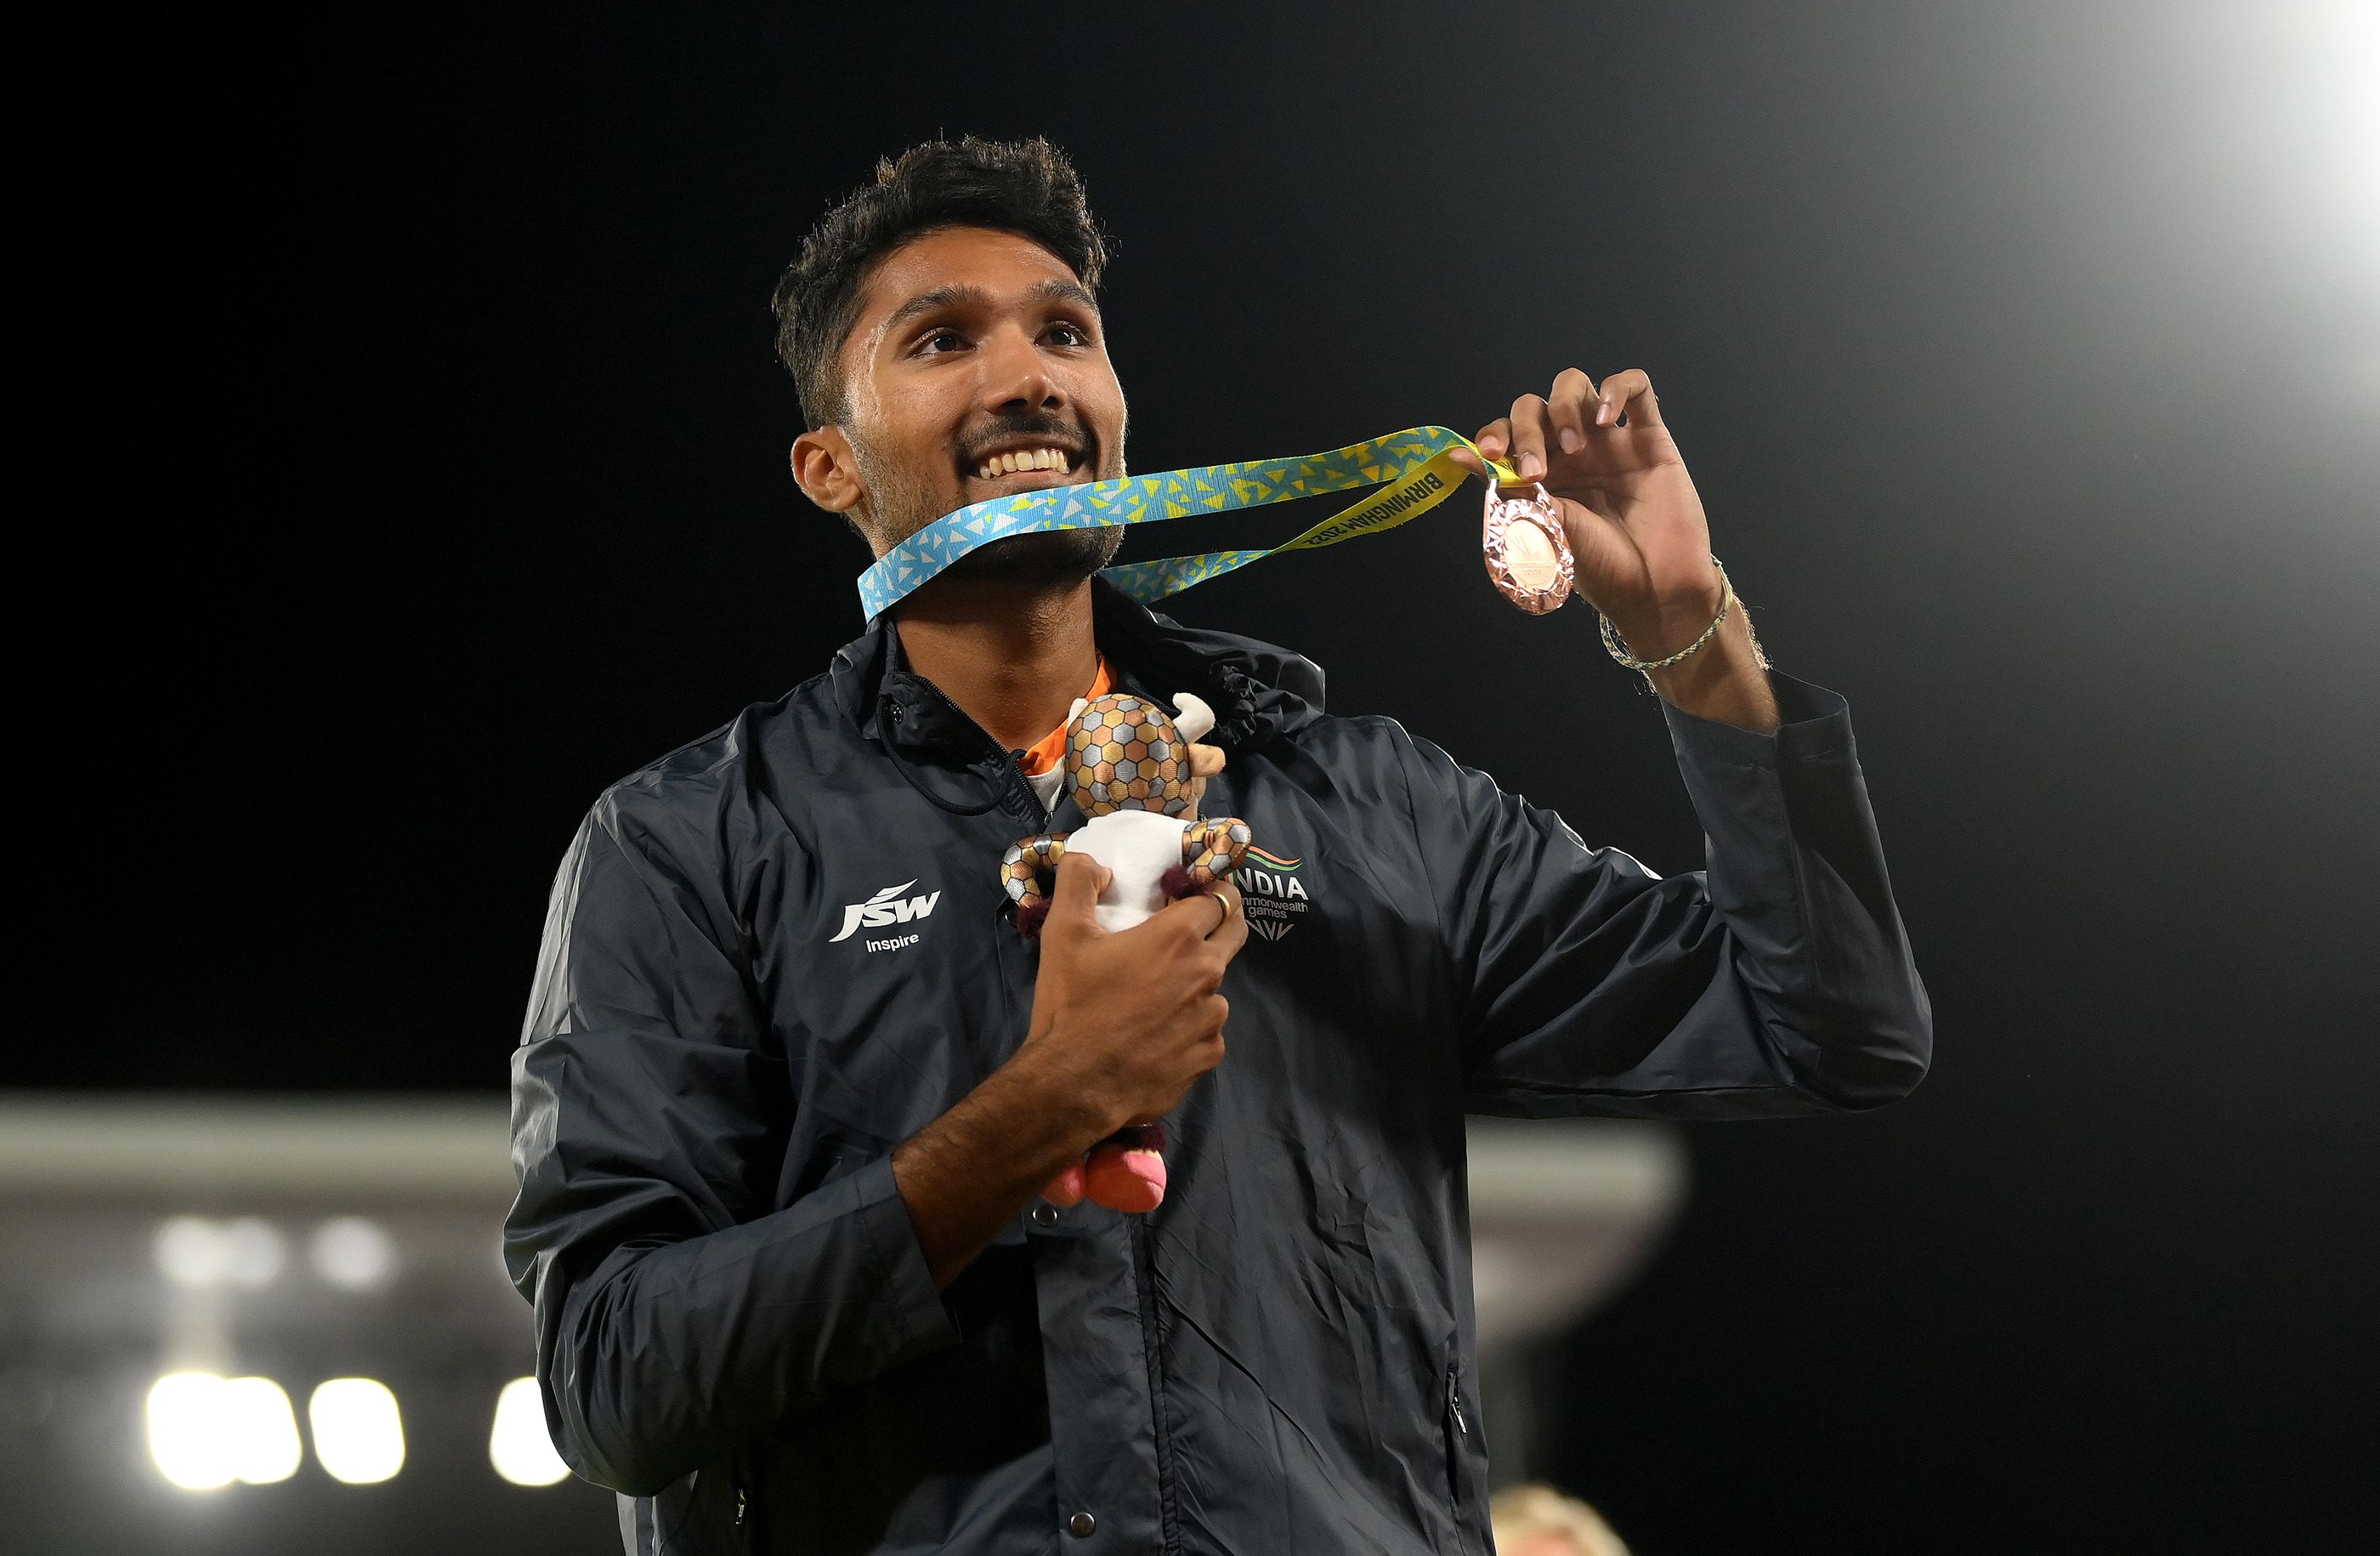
(1272, 893)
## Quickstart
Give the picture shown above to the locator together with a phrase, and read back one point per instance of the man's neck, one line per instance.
(1013, 661)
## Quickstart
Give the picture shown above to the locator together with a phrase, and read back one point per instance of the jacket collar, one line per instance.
(1258, 691)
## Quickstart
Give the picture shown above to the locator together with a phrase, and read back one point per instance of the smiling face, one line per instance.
(977, 368)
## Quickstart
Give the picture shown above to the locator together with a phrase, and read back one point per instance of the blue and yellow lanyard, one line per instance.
(1412, 469)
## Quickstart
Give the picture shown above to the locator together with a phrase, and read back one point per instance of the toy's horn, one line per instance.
(1191, 717)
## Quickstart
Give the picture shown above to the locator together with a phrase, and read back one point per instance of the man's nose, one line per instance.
(1017, 375)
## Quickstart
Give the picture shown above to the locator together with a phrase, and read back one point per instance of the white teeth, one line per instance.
(1030, 459)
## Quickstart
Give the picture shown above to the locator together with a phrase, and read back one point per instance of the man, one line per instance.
(780, 1217)
(1536, 1520)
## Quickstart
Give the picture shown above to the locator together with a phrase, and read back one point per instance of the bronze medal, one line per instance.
(1528, 555)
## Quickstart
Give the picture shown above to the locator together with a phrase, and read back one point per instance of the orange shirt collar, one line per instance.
(1050, 749)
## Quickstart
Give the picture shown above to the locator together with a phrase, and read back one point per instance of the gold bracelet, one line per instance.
(1619, 649)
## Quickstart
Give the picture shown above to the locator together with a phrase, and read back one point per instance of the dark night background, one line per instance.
(2027, 358)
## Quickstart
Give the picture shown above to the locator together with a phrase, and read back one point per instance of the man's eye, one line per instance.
(942, 340)
(1069, 334)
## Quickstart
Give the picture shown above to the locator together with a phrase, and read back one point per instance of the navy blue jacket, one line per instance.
(736, 1327)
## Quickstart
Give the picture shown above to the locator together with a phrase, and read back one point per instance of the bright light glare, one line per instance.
(2282, 102)
(520, 1447)
(194, 1252)
(358, 1436)
(190, 1251)
(352, 1252)
(205, 1432)
(186, 1435)
(253, 1253)
(259, 1431)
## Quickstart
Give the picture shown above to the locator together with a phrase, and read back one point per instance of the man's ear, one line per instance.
(826, 471)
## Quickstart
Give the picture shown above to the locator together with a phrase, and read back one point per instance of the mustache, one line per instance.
(1010, 426)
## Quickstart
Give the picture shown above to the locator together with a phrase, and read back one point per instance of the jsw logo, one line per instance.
(887, 906)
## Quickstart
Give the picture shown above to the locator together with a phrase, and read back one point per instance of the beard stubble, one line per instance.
(902, 502)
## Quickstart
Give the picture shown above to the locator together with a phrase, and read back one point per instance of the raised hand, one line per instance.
(1634, 522)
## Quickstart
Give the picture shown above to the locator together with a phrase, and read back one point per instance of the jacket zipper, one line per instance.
(741, 1474)
(1020, 785)
(1459, 1428)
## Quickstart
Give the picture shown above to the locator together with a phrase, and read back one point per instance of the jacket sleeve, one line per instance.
(1777, 981)
(678, 1314)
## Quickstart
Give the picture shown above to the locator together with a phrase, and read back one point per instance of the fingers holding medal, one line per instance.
(1598, 450)
(1565, 421)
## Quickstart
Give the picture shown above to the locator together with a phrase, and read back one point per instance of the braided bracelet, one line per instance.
(1619, 649)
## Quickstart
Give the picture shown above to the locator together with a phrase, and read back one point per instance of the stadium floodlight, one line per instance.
(186, 1435)
(194, 1252)
(358, 1437)
(190, 1251)
(519, 1445)
(259, 1431)
(253, 1253)
(352, 1252)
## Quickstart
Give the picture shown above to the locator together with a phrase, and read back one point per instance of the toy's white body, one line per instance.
(1138, 846)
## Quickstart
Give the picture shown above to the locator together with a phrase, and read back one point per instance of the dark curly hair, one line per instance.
(1025, 186)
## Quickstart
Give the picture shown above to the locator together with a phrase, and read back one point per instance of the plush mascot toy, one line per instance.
(1130, 769)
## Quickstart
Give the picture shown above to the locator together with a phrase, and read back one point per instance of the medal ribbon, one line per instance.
(1412, 467)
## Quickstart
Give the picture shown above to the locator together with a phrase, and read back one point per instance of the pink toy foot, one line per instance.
(1067, 1190)
(1126, 1180)
(1126, 1171)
